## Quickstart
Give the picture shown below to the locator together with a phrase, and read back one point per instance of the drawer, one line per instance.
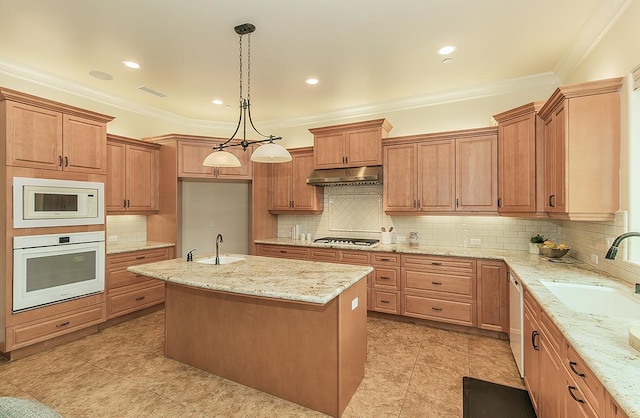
(324, 254)
(134, 258)
(446, 284)
(455, 265)
(388, 278)
(385, 301)
(282, 251)
(355, 257)
(23, 335)
(135, 300)
(385, 260)
(553, 334)
(531, 305)
(120, 277)
(588, 384)
(455, 312)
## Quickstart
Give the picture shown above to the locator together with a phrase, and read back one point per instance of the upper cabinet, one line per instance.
(47, 135)
(520, 161)
(132, 175)
(192, 152)
(350, 145)
(289, 190)
(582, 151)
(441, 173)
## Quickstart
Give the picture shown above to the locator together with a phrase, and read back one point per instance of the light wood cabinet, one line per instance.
(439, 288)
(520, 161)
(290, 192)
(349, 145)
(492, 296)
(531, 348)
(441, 173)
(582, 151)
(132, 175)
(283, 251)
(191, 154)
(129, 292)
(42, 134)
(385, 288)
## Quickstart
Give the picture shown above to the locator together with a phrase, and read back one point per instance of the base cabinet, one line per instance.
(128, 292)
(492, 297)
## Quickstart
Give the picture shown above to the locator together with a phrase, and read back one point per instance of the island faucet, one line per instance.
(613, 251)
(218, 241)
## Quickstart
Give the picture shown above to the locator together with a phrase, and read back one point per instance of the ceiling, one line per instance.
(366, 53)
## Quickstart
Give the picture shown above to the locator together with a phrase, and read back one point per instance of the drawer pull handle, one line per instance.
(140, 298)
(64, 324)
(284, 251)
(385, 301)
(534, 334)
(572, 365)
(138, 275)
(385, 277)
(571, 389)
(385, 259)
(140, 257)
(436, 309)
(435, 263)
(436, 283)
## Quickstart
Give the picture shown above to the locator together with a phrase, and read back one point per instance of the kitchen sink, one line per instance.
(598, 300)
(224, 259)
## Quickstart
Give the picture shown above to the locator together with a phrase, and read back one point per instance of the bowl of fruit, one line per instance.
(552, 250)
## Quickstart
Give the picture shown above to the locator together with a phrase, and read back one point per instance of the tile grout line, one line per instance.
(415, 362)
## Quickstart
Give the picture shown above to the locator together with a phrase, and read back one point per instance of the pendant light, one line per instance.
(268, 152)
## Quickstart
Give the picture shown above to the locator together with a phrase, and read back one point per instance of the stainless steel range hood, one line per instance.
(346, 176)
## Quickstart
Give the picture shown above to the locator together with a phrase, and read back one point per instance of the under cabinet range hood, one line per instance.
(346, 176)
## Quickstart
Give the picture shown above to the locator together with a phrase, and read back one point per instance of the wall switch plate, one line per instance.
(354, 304)
(210, 223)
(401, 238)
(113, 238)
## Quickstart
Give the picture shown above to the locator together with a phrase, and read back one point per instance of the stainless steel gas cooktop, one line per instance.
(347, 241)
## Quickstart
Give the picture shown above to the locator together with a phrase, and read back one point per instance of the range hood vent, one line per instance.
(346, 176)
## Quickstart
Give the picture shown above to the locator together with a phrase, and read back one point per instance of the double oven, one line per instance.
(51, 268)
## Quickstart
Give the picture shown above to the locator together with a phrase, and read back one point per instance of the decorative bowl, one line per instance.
(553, 252)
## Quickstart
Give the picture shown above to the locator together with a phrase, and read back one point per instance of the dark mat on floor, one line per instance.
(491, 400)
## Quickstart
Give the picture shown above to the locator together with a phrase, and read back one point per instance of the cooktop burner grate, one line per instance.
(347, 241)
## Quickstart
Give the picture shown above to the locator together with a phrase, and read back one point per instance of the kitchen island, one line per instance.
(292, 328)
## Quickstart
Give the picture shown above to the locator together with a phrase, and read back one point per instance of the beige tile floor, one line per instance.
(411, 371)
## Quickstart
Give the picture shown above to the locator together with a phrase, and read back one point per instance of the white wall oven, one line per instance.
(48, 202)
(57, 267)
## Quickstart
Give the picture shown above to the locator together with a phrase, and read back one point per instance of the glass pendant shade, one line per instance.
(271, 153)
(221, 159)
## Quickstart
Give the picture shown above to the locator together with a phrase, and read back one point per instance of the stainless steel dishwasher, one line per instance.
(516, 320)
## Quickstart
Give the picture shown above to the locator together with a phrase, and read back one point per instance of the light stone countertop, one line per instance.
(601, 341)
(293, 280)
(117, 248)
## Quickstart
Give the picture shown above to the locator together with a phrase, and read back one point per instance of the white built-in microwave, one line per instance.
(48, 202)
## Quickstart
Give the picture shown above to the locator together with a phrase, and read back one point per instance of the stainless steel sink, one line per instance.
(598, 300)
(224, 259)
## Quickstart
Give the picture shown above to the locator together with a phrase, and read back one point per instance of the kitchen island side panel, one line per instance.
(309, 354)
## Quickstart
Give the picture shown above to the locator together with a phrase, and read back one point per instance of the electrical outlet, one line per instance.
(354, 304)
(401, 238)
(475, 241)
(210, 223)
(594, 258)
(113, 238)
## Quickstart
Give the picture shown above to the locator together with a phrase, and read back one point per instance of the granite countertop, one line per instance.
(294, 280)
(601, 341)
(116, 248)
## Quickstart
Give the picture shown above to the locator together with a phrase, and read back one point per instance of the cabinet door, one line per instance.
(115, 187)
(281, 193)
(517, 160)
(531, 350)
(142, 181)
(399, 189)
(477, 174)
(190, 158)
(554, 160)
(242, 172)
(84, 145)
(304, 196)
(551, 386)
(492, 296)
(34, 137)
(436, 176)
(363, 147)
(329, 150)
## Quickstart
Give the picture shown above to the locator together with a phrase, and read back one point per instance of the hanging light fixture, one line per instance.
(269, 152)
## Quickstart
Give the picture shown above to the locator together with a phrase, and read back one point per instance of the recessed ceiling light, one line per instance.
(216, 101)
(445, 50)
(311, 81)
(101, 75)
(131, 64)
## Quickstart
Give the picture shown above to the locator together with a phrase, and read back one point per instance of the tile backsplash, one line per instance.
(125, 229)
(360, 209)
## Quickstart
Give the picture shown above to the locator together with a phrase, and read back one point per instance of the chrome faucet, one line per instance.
(218, 241)
(613, 251)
